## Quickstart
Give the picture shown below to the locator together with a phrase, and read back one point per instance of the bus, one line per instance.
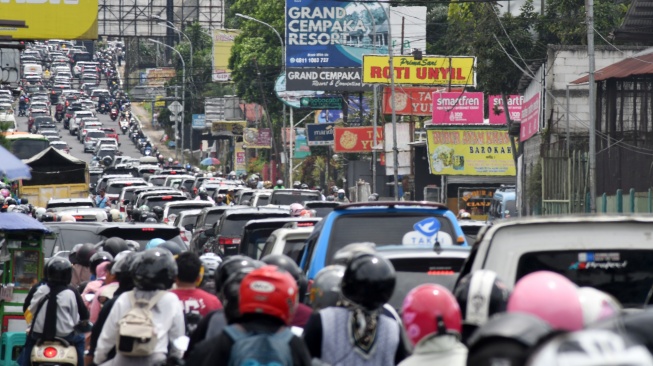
(26, 145)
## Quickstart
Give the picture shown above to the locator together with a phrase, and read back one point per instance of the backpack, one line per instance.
(259, 349)
(136, 330)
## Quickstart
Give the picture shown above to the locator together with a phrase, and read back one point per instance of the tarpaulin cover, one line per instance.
(52, 166)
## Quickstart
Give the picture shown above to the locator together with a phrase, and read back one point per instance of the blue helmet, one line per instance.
(153, 243)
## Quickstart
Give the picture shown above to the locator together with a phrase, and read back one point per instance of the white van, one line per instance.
(33, 69)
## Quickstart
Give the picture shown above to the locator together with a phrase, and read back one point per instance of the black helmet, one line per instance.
(171, 246)
(59, 271)
(72, 256)
(287, 264)
(136, 214)
(150, 220)
(480, 295)
(230, 294)
(84, 254)
(325, 290)
(24, 200)
(155, 269)
(297, 184)
(122, 265)
(158, 210)
(232, 265)
(369, 281)
(115, 245)
(149, 215)
(98, 258)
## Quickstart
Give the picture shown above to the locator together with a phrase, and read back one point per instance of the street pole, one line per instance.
(290, 155)
(395, 150)
(183, 96)
(592, 101)
(375, 103)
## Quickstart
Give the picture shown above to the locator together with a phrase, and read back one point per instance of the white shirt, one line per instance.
(67, 312)
(168, 316)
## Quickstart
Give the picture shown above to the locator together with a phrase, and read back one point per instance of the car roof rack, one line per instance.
(391, 204)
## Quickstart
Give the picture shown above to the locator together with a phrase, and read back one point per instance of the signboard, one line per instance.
(320, 134)
(300, 147)
(325, 78)
(240, 166)
(470, 152)
(458, 108)
(257, 138)
(410, 101)
(54, 19)
(175, 107)
(291, 98)
(476, 201)
(403, 149)
(336, 115)
(495, 102)
(430, 70)
(223, 40)
(321, 102)
(199, 121)
(356, 139)
(228, 128)
(159, 102)
(530, 118)
(159, 76)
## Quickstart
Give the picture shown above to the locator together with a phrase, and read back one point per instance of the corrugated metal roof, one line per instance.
(638, 23)
(632, 66)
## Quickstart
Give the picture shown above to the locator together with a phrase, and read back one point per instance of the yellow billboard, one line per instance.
(49, 19)
(470, 152)
(223, 40)
(430, 70)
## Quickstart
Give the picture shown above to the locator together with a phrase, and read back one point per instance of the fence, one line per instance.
(631, 202)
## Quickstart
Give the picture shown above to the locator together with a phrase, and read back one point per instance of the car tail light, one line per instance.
(182, 234)
(147, 229)
(50, 352)
(87, 139)
(166, 197)
(228, 241)
(441, 273)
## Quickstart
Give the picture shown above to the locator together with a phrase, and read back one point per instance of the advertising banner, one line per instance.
(240, 165)
(430, 70)
(495, 102)
(336, 115)
(321, 102)
(325, 78)
(223, 40)
(159, 76)
(457, 108)
(470, 152)
(300, 147)
(356, 139)
(228, 128)
(257, 138)
(530, 118)
(289, 97)
(54, 19)
(320, 134)
(199, 121)
(410, 101)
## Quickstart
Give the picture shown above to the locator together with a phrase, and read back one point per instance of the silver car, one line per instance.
(91, 139)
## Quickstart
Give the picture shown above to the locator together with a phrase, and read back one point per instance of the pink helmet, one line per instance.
(549, 296)
(4, 192)
(296, 209)
(597, 305)
(430, 309)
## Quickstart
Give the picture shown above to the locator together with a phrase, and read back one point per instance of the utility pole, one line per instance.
(395, 150)
(592, 101)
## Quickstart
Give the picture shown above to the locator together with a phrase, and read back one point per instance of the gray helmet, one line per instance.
(325, 290)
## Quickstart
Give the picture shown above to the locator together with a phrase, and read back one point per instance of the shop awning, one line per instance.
(10, 221)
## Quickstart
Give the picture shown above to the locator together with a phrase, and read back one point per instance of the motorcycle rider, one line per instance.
(279, 185)
(22, 105)
(203, 195)
(341, 196)
(80, 257)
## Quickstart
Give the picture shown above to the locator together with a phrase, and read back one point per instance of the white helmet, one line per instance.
(67, 218)
(597, 305)
(115, 215)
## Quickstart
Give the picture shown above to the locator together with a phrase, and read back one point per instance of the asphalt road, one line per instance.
(126, 147)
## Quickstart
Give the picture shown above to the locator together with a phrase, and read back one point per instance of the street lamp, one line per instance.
(283, 68)
(183, 102)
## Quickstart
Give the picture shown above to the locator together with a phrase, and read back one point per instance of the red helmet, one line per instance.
(430, 309)
(269, 290)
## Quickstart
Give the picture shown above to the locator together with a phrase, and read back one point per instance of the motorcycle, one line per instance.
(57, 352)
(147, 151)
(124, 126)
(114, 113)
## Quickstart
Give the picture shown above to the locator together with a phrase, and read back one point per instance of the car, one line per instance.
(90, 139)
(51, 135)
(418, 265)
(168, 181)
(140, 198)
(86, 124)
(256, 233)
(86, 214)
(7, 114)
(260, 198)
(67, 234)
(185, 221)
(172, 209)
(111, 132)
(382, 223)
(128, 196)
(114, 186)
(227, 235)
(287, 241)
(206, 220)
(503, 204)
(105, 142)
(609, 253)
(161, 199)
(321, 208)
(287, 197)
(97, 93)
(243, 196)
(61, 204)
(61, 145)
(471, 228)
(157, 179)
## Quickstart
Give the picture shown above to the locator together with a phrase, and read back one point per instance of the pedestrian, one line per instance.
(101, 199)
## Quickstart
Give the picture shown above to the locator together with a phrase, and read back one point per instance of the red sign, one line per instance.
(411, 101)
(357, 139)
(530, 118)
(457, 108)
(496, 104)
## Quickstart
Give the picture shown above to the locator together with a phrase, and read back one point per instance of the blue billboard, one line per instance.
(320, 134)
(327, 33)
(199, 121)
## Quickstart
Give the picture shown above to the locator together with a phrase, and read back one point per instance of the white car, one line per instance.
(290, 242)
(7, 115)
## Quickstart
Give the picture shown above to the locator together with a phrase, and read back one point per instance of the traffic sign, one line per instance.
(175, 107)
(321, 102)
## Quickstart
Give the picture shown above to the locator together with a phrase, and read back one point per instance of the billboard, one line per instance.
(54, 19)
(257, 138)
(199, 121)
(410, 101)
(223, 40)
(356, 139)
(530, 118)
(457, 108)
(159, 76)
(495, 103)
(300, 147)
(320, 134)
(227, 128)
(470, 152)
(240, 165)
(430, 70)
(325, 78)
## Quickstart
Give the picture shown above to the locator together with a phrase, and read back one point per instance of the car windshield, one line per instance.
(322, 211)
(290, 197)
(189, 219)
(418, 270)
(234, 224)
(262, 200)
(116, 188)
(383, 229)
(160, 201)
(95, 134)
(294, 249)
(176, 210)
(212, 218)
(624, 274)
(256, 239)
(158, 181)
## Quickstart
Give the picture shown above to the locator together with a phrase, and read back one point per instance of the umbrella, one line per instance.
(12, 167)
(210, 161)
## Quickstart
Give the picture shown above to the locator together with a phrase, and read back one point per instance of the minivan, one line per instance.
(503, 204)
